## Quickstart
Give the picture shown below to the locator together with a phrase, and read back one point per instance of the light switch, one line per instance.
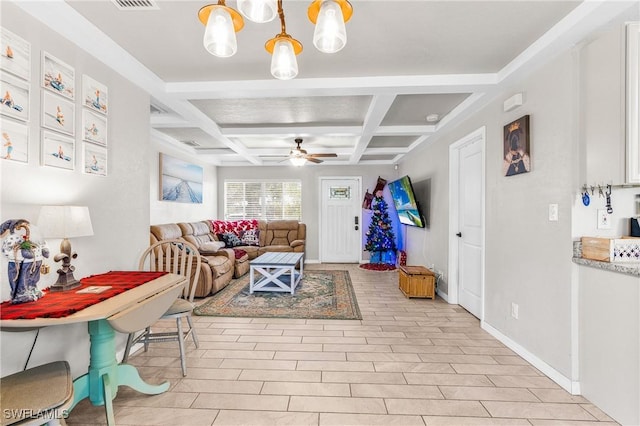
(553, 212)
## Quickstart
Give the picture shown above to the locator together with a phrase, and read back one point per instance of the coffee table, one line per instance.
(278, 272)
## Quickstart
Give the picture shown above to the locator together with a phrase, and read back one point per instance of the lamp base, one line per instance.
(66, 281)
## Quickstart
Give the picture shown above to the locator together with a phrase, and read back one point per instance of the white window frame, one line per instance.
(264, 206)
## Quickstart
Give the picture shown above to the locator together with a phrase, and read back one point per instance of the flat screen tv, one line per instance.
(405, 202)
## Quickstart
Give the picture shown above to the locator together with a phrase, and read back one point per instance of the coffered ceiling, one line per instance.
(368, 103)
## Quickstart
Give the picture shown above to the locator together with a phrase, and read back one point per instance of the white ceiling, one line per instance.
(367, 103)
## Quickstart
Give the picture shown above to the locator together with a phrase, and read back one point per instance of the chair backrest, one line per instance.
(177, 257)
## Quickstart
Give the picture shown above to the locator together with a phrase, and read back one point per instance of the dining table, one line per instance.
(123, 301)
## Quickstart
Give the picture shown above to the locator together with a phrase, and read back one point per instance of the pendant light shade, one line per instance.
(221, 22)
(330, 34)
(284, 65)
(259, 11)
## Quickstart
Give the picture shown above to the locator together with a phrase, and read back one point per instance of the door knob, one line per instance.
(459, 234)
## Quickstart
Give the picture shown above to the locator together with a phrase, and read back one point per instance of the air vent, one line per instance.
(136, 4)
(190, 143)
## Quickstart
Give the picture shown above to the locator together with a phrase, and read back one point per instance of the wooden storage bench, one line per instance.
(417, 281)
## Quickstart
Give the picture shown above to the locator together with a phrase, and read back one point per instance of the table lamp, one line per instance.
(65, 222)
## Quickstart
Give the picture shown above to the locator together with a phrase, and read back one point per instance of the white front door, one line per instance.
(468, 222)
(340, 220)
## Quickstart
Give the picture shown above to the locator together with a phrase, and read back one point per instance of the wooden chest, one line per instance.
(417, 281)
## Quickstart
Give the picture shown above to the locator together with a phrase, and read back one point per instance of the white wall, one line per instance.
(173, 212)
(310, 177)
(118, 203)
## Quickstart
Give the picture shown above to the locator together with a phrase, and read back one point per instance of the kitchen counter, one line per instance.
(631, 268)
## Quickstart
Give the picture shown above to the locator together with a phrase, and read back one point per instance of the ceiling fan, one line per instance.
(299, 156)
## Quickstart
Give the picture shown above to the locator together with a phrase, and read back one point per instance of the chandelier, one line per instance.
(222, 22)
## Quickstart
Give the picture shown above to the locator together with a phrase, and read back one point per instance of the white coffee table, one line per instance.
(278, 272)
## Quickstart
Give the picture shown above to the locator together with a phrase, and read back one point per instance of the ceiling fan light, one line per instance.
(259, 11)
(284, 65)
(298, 161)
(330, 35)
(220, 31)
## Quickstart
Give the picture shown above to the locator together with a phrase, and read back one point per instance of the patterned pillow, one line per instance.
(250, 237)
(230, 239)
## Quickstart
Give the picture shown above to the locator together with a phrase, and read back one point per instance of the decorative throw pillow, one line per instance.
(212, 246)
(231, 240)
(250, 237)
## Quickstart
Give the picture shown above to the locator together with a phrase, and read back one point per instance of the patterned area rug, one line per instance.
(320, 295)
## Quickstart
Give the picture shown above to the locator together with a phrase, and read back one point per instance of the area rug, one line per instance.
(319, 295)
(378, 267)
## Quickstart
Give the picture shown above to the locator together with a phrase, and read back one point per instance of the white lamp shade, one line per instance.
(219, 34)
(298, 161)
(330, 34)
(284, 65)
(259, 11)
(65, 222)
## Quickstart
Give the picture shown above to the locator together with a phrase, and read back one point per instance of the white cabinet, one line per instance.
(633, 99)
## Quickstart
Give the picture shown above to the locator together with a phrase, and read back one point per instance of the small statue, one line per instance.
(25, 259)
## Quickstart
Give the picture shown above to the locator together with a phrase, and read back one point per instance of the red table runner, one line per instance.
(64, 303)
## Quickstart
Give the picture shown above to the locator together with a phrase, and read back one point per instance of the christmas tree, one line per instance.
(380, 237)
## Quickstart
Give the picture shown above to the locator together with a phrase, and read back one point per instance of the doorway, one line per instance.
(340, 219)
(467, 222)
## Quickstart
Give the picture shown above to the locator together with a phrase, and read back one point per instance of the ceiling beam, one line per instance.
(291, 131)
(377, 111)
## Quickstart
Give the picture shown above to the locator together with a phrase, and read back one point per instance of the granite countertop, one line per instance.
(631, 268)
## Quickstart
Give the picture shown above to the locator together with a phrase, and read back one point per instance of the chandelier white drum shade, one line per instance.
(222, 22)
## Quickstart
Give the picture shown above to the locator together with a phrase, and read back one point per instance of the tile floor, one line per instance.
(407, 362)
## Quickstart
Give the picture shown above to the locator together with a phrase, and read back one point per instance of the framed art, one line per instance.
(15, 141)
(58, 113)
(58, 150)
(517, 154)
(15, 97)
(58, 77)
(94, 127)
(180, 181)
(94, 159)
(15, 54)
(94, 95)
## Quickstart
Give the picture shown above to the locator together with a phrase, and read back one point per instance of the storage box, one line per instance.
(416, 281)
(626, 249)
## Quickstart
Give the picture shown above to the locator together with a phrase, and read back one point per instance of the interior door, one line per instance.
(340, 221)
(470, 227)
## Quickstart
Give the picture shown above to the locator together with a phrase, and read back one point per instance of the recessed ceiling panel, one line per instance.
(187, 134)
(391, 141)
(411, 110)
(322, 143)
(269, 112)
(388, 157)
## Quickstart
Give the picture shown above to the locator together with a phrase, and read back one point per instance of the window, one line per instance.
(268, 200)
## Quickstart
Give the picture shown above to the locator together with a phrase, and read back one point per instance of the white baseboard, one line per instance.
(443, 295)
(311, 261)
(566, 383)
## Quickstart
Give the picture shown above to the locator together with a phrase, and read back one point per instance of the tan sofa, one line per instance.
(217, 268)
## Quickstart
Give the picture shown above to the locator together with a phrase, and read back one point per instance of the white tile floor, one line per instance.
(407, 362)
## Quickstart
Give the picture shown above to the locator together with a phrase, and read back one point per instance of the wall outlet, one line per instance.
(604, 220)
(514, 310)
(553, 212)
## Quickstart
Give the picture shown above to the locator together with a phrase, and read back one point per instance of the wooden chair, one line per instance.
(177, 257)
(38, 395)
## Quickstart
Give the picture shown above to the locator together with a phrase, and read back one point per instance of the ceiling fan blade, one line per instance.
(321, 155)
(313, 160)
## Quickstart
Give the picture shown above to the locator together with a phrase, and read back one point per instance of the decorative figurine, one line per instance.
(25, 259)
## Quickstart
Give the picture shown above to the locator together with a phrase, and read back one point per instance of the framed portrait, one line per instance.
(58, 113)
(94, 159)
(15, 97)
(15, 141)
(94, 127)
(517, 153)
(15, 54)
(180, 181)
(58, 150)
(58, 77)
(94, 95)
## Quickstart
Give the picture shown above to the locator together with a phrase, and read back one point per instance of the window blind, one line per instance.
(267, 200)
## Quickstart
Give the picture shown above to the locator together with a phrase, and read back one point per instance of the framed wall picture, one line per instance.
(180, 181)
(15, 54)
(517, 154)
(58, 150)
(57, 76)
(58, 113)
(94, 159)
(94, 95)
(94, 127)
(15, 97)
(15, 141)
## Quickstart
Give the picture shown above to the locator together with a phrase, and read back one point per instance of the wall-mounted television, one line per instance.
(405, 202)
